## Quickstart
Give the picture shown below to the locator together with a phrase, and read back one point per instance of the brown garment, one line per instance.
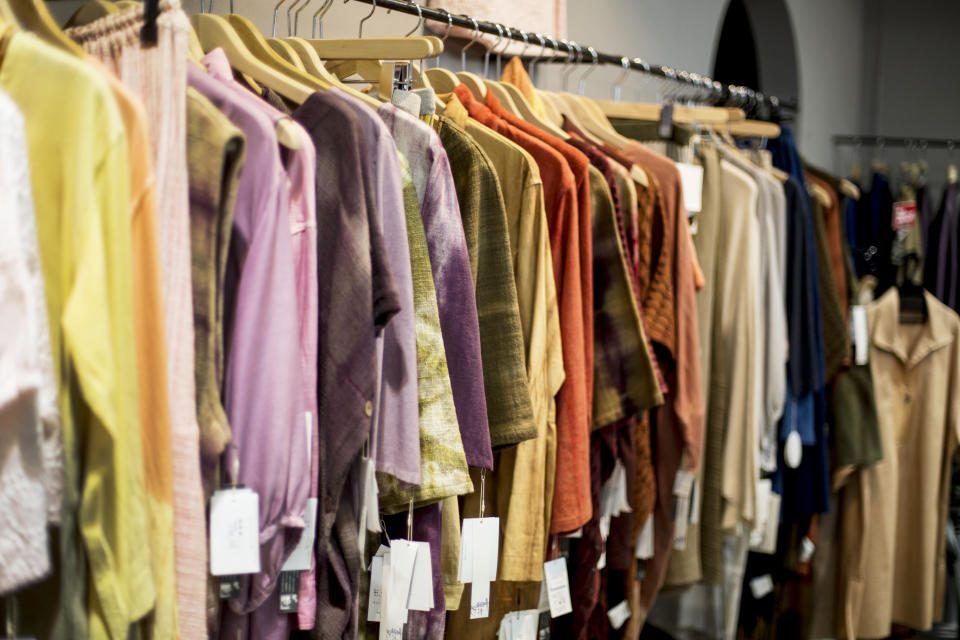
(836, 335)
(835, 244)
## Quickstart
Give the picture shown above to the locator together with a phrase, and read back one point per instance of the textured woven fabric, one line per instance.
(443, 465)
(213, 192)
(482, 210)
(30, 488)
(157, 75)
(450, 266)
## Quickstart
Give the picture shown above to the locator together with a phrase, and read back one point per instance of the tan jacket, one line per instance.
(916, 374)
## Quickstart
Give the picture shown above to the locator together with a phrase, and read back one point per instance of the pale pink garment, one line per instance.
(157, 75)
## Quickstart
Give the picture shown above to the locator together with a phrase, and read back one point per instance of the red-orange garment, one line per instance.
(679, 424)
(572, 505)
(580, 165)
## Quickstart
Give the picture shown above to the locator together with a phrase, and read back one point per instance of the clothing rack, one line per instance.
(580, 54)
(895, 141)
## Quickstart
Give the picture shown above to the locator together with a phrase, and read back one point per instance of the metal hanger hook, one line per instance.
(618, 83)
(317, 20)
(276, 12)
(419, 22)
(365, 18)
(296, 16)
(486, 55)
(506, 45)
(536, 61)
(476, 36)
(569, 64)
(590, 69)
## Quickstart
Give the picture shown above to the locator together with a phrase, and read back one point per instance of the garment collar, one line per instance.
(455, 110)
(888, 336)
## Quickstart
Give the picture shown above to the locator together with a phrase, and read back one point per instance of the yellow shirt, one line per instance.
(81, 186)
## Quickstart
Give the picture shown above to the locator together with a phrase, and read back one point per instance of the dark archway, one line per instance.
(757, 48)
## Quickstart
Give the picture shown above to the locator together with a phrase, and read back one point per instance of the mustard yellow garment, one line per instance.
(81, 186)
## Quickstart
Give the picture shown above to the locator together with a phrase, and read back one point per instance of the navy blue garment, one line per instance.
(874, 230)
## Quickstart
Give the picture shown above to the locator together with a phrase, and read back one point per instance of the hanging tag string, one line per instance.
(410, 520)
(483, 487)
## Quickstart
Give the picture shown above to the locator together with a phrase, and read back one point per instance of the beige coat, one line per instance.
(916, 374)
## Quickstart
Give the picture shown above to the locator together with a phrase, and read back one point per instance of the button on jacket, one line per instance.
(916, 372)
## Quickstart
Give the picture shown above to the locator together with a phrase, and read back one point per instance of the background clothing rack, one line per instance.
(721, 92)
(895, 141)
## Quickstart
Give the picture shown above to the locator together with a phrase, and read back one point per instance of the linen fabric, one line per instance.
(483, 212)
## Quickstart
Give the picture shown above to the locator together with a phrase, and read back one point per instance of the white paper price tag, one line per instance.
(602, 562)
(543, 604)
(371, 500)
(806, 549)
(761, 586)
(421, 585)
(619, 614)
(479, 600)
(299, 560)
(691, 179)
(695, 504)
(558, 587)
(391, 619)
(858, 332)
(376, 588)
(479, 550)
(396, 589)
(234, 532)
(645, 540)
(525, 627)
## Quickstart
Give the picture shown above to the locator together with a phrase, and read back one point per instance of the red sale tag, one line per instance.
(904, 214)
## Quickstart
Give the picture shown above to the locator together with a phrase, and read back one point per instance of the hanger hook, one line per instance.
(290, 7)
(526, 44)
(506, 45)
(476, 36)
(590, 69)
(486, 55)
(317, 20)
(365, 18)
(618, 83)
(446, 34)
(276, 12)
(419, 22)
(296, 16)
(569, 64)
(534, 64)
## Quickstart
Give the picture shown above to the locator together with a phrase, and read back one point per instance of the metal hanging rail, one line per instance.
(588, 55)
(895, 141)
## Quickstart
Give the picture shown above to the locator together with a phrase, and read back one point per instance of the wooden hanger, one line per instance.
(500, 93)
(650, 112)
(416, 48)
(849, 189)
(443, 80)
(214, 31)
(753, 129)
(286, 52)
(550, 107)
(34, 16)
(310, 60)
(821, 194)
(92, 10)
(257, 45)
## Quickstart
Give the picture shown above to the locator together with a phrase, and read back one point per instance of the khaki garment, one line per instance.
(916, 373)
(684, 565)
